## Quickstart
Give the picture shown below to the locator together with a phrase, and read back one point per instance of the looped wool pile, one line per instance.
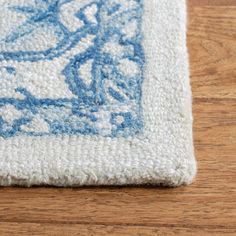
(94, 92)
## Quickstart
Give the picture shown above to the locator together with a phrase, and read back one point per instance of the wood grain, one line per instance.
(212, 2)
(212, 34)
(16, 229)
(208, 207)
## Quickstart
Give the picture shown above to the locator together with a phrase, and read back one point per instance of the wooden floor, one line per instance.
(208, 207)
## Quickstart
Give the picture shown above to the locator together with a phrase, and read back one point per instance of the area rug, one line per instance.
(94, 92)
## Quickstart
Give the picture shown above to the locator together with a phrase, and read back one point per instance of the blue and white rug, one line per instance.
(94, 92)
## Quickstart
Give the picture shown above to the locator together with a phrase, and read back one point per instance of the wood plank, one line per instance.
(215, 145)
(215, 122)
(212, 47)
(212, 2)
(151, 207)
(209, 202)
(29, 229)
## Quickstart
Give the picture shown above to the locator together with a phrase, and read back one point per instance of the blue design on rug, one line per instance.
(71, 67)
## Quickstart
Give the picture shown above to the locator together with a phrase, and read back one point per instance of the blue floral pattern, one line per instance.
(95, 46)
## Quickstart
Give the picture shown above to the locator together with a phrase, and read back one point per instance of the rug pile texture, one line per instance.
(94, 92)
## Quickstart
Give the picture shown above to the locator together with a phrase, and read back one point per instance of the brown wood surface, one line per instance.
(208, 207)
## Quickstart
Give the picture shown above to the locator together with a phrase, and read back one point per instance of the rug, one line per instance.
(94, 92)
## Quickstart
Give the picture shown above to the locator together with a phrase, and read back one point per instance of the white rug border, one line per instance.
(163, 154)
